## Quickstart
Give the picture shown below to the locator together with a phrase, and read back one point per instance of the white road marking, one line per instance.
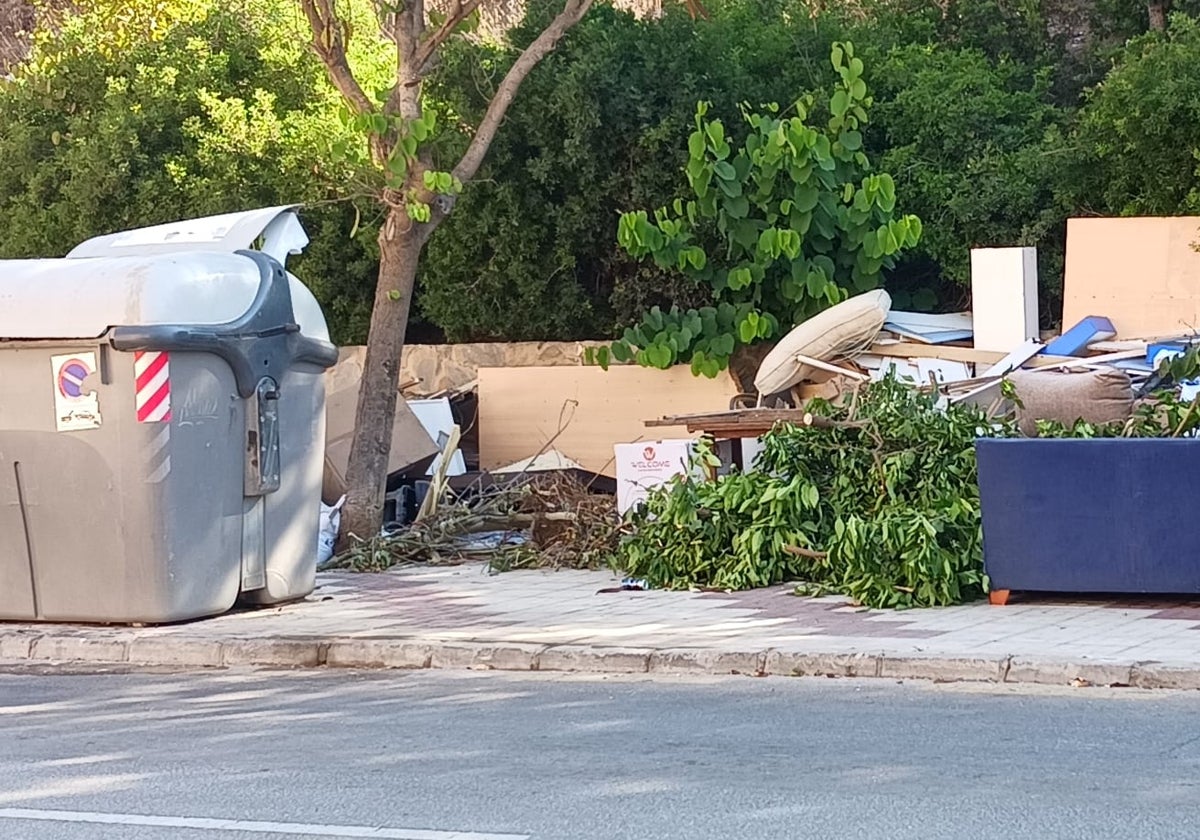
(248, 826)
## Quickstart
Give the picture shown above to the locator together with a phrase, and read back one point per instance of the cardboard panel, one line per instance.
(1141, 273)
(411, 444)
(520, 410)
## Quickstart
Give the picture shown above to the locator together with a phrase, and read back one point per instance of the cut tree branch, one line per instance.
(542, 46)
(330, 34)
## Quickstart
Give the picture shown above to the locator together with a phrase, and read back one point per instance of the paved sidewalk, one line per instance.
(463, 617)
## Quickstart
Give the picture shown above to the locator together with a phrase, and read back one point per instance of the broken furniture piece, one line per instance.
(842, 330)
(1044, 530)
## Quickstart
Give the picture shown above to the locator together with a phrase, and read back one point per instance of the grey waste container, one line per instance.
(162, 413)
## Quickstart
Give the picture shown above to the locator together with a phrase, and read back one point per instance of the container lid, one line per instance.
(278, 228)
(176, 274)
(83, 298)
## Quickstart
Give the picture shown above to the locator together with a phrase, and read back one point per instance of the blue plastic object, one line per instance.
(1075, 340)
(1096, 516)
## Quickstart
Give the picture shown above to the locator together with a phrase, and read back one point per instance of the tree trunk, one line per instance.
(1158, 15)
(400, 245)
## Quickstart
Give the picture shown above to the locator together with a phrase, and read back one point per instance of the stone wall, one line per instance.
(441, 367)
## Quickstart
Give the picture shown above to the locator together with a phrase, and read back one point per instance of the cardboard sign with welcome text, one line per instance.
(645, 465)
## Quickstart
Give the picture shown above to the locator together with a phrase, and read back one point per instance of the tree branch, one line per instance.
(542, 45)
(433, 43)
(330, 35)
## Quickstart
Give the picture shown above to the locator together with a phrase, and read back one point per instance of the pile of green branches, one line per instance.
(881, 505)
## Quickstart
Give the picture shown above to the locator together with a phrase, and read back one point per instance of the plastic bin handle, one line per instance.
(266, 341)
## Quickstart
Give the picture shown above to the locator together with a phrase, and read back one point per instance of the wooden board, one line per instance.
(520, 410)
(746, 422)
(909, 350)
(1141, 273)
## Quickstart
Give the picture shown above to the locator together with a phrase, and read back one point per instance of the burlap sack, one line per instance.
(1094, 396)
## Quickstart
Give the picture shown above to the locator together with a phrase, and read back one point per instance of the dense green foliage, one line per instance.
(884, 508)
(1138, 138)
(993, 127)
(791, 221)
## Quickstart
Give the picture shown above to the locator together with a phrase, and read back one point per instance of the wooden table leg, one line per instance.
(998, 597)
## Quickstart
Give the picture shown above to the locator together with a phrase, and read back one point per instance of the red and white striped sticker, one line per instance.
(153, 400)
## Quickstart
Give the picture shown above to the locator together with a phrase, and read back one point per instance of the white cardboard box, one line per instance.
(647, 464)
(1004, 297)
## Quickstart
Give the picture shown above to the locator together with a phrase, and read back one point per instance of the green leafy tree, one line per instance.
(595, 131)
(412, 156)
(982, 172)
(1136, 147)
(788, 223)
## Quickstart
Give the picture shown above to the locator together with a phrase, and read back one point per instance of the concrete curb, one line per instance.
(73, 647)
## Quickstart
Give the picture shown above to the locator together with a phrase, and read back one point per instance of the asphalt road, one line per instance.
(440, 756)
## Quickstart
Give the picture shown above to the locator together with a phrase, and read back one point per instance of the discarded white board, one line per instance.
(929, 328)
(1004, 301)
(438, 421)
(1015, 359)
(917, 371)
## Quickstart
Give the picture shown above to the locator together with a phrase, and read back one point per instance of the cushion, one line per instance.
(1094, 396)
(842, 329)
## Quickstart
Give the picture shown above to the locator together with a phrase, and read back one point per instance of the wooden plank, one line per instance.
(1088, 361)
(750, 422)
(949, 352)
(1141, 273)
(969, 355)
(758, 416)
(1117, 346)
(831, 368)
(522, 409)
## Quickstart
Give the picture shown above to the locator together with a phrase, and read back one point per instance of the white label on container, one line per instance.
(76, 405)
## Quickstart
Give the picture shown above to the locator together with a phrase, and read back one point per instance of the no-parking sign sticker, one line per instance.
(76, 404)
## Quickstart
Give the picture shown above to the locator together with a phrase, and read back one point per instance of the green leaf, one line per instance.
(660, 356)
(815, 283)
(716, 132)
(840, 103)
(851, 141)
(738, 207)
(806, 197)
(768, 243)
(747, 331)
(810, 496)
(732, 189)
(696, 145)
(724, 170)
